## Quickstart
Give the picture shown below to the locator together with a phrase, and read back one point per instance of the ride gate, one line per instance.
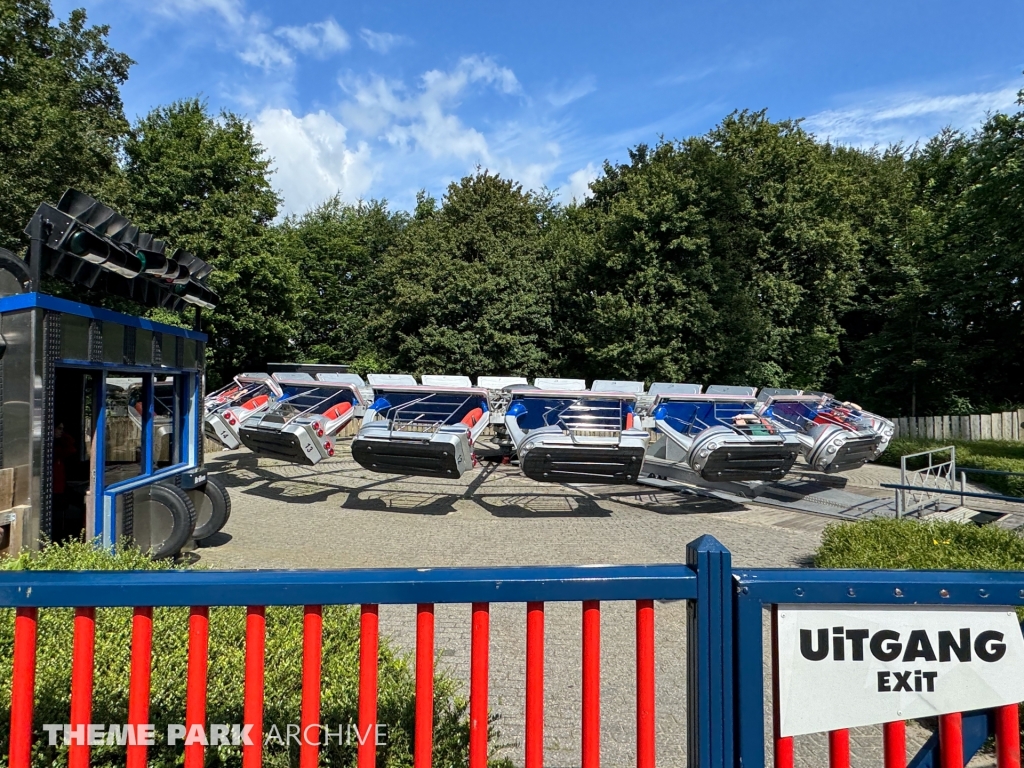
(727, 682)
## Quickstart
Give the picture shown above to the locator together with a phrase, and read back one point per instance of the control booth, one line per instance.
(101, 412)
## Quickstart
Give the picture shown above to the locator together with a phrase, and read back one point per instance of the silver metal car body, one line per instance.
(834, 436)
(231, 406)
(715, 438)
(302, 425)
(576, 436)
(426, 430)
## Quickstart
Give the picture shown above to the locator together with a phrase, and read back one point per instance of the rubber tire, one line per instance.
(184, 518)
(213, 508)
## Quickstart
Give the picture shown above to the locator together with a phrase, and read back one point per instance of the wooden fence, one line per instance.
(980, 426)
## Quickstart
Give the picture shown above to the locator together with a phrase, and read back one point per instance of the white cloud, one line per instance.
(425, 119)
(312, 158)
(381, 42)
(232, 11)
(261, 50)
(320, 39)
(250, 35)
(907, 117)
(572, 92)
(578, 188)
(470, 69)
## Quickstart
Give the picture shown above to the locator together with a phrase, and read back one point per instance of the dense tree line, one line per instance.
(754, 254)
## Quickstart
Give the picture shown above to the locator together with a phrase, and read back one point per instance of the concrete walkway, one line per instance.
(337, 515)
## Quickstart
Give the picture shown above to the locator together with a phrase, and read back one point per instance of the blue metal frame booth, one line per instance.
(43, 335)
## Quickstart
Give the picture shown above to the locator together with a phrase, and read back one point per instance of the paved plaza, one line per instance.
(337, 515)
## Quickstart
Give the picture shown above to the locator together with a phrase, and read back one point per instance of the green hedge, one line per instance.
(920, 545)
(981, 454)
(339, 697)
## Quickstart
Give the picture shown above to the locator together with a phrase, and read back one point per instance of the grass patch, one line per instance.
(920, 545)
(1002, 455)
(339, 693)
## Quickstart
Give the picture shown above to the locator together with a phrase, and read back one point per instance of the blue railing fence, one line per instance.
(728, 612)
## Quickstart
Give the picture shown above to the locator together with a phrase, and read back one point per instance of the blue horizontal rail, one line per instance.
(859, 587)
(104, 589)
(1001, 472)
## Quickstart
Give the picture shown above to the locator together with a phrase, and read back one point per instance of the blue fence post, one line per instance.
(709, 658)
(749, 671)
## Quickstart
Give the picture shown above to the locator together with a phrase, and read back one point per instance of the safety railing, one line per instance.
(587, 421)
(305, 401)
(704, 580)
(959, 735)
(235, 394)
(728, 687)
(741, 419)
(930, 480)
(429, 413)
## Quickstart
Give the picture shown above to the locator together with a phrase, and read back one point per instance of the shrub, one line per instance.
(1002, 455)
(339, 693)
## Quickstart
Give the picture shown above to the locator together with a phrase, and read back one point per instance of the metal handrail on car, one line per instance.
(727, 422)
(578, 418)
(286, 400)
(408, 417)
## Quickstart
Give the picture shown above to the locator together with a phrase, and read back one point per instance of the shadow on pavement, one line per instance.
(217, 540)
(402, 502)
(542, 505)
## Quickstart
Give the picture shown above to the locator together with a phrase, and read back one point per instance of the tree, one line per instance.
(979, 283)
(203, 183)
(337, 249)
(724, 258)
(463, 290)
(61, 118)
(899, 352)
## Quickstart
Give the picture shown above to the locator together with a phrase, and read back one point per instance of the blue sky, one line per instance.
(379, 100)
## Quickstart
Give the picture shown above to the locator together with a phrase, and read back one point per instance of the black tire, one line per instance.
(213, 508)
(171, 519)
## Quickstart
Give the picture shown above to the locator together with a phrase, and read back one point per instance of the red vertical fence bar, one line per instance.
(783, 744)
(894, 743)
(1008, 737)
(23, 685)
(312, 654)
(82, 663)
(839, 748)
(591, 684)
(478, 672)
(138, 683)
(534, 685)
(252, 711)
(951, 741)
(645, 683)
(195, 697)
(368, 639)
(423, 746)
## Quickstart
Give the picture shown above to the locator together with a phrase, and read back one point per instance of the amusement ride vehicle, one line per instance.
(834, 436)
(426, 430)
(715, 436)
(232, 405)
(302, 425)
(564, 433)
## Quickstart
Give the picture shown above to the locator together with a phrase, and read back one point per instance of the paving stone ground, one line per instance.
(337, 515)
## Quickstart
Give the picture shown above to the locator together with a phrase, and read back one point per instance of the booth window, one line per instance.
(167, 395)
(123, 428)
